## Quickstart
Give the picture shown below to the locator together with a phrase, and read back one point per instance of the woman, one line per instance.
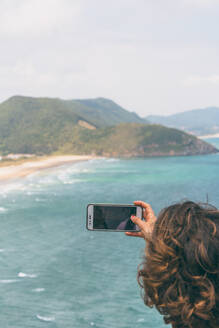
(180, 272)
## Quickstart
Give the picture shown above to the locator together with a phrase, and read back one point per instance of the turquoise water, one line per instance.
(55, 273)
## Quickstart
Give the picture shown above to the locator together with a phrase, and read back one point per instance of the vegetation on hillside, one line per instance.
(135, 140)
(93, 126)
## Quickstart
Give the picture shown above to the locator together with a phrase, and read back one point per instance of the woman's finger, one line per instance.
(148, 213)
(138, 221)
(134, 234)
(146, 227)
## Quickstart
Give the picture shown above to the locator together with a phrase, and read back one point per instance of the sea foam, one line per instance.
(40, 317)
(26, 275)
(8, 281)
(39, 290)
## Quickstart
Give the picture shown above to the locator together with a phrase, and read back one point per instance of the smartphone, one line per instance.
(112, 217)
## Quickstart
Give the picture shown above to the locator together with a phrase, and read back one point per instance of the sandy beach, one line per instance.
(14, 171)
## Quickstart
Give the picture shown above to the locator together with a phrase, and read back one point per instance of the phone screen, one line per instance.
(114, 217)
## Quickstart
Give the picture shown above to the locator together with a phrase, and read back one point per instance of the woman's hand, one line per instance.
(145, 226)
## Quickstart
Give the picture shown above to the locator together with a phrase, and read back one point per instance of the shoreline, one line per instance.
(17, 170)
(208, 136)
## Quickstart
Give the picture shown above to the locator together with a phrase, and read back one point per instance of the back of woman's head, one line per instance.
(180, 273)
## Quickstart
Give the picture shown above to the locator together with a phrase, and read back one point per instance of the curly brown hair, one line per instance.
(180, 272)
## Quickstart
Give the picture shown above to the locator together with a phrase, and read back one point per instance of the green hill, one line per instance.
(136, 140)
(92, 126)
(197, 121)
(107, 112)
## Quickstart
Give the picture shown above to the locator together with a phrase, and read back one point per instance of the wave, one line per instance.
(8, 281)
(67, 178)
(41, 180)
(2, 250)
(10, 187)
(45, 318)
(3, 209)
(70, 181)
(39, 290)
(112, 160)
(26, 275)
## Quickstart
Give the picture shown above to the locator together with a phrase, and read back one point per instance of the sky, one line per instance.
(150, 56)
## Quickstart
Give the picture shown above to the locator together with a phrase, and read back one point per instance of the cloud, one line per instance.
(35, 18)
(201, 3)
(22, 74)
(135, 52)
(196, 80)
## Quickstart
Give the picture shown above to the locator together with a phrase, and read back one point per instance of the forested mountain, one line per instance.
(107, 112)
(92, 126)
(136, 140)
(197, 121)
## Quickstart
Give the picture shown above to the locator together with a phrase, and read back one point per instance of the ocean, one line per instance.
(55, 273)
